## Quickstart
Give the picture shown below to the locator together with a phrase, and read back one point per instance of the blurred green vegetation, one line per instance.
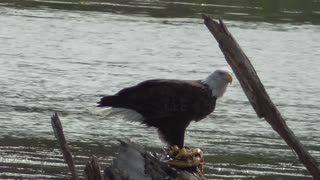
(293, 11)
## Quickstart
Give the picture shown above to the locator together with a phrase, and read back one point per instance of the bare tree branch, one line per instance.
(58, 132)
(256, 92)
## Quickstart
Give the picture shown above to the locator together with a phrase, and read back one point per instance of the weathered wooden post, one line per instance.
(256, 92)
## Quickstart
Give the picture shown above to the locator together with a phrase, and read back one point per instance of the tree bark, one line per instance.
(256, 92)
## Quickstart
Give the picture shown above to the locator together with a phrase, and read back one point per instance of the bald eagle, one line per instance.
(170, 105)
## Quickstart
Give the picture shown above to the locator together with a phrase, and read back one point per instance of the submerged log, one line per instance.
(134, 162)
(256, 93)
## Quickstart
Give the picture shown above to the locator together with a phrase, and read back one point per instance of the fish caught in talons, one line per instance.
(185, 157)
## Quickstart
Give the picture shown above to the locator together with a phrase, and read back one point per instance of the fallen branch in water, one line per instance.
(256, 93)
(58, 132)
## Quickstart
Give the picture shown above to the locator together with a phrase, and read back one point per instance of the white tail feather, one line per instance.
(126, 114)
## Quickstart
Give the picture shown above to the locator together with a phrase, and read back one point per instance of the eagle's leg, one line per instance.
(182, 153)
(179, 155)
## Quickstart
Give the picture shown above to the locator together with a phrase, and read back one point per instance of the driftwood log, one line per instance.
(134, 162)
(256, 93)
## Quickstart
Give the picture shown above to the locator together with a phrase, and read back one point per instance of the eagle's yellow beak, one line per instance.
(229, 78)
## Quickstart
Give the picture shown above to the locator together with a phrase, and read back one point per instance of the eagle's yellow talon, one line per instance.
(196, 161)
(183, 153)
(184, 158)
(174, 150)
(181, 164)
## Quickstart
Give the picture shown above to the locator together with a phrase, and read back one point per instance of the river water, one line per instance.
(61, 56)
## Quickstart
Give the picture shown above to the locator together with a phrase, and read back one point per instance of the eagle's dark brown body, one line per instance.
(168, 105)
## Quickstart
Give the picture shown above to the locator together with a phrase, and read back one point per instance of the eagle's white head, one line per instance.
(218, 82)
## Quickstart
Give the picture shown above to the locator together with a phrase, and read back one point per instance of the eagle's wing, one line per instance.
(161, 98)
(168, 105)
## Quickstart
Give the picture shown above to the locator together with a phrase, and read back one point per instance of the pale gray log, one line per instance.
(135, 163)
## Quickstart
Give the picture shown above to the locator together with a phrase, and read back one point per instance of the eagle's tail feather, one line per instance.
(108, 101)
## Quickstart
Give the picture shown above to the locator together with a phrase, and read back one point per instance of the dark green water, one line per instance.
(297, 11)
(62, 56)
